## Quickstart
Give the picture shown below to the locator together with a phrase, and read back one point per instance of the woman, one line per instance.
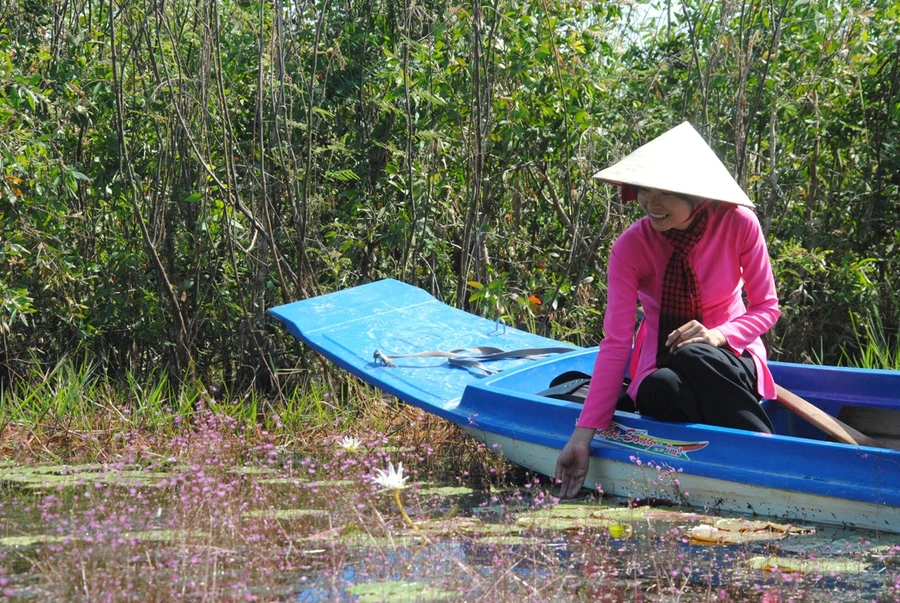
(687, 262)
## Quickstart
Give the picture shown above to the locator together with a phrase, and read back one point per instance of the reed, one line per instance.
(874, 347)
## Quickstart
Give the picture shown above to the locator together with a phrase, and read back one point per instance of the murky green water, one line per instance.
(592, 552)
(307, 532)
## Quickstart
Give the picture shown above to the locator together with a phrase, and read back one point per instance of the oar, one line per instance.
(821, 419)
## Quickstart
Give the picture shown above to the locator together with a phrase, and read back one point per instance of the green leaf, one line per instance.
(342, 176)
(323, 113)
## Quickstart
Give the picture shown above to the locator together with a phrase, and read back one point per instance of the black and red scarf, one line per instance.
(680, 301)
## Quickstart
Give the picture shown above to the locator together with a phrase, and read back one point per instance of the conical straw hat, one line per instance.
(678, 161)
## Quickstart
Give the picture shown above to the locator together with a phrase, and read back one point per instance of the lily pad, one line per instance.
(569, 511)
(163, 535)
(748, 525)
(31, 540)
(648, 513)
(447, 491)
(291, 481)
(250, 470)
(361, 539)
(509, 540)
(884, 548)
(38, 481)
(805, 566)
(54, 476)
(736, 531)
(142, 535)
(564, 518)
(490, 529)
(888, 554)
(449, 526)
(355, 536)
(51, 469)
(392, 449)
(707, 534)
(397, 592)
(334, 534)
(331, 483)
(132, 477)
(285, 513)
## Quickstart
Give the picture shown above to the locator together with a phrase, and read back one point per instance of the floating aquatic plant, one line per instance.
(808, 566)
(733, 531)
(264, 521)
(397, 592)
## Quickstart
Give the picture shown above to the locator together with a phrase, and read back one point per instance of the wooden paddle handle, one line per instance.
(821, 419)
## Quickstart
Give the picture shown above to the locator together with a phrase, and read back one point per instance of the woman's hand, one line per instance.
(572, 463)
(694, 332)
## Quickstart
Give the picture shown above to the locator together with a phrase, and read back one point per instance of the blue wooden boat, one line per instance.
(380, 330)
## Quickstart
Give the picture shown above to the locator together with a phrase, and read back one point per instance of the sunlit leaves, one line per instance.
(360, 156)
(342, 176)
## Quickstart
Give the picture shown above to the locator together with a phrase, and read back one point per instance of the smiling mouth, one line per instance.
(658, 216)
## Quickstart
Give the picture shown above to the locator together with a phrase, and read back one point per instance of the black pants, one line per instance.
(705, 384)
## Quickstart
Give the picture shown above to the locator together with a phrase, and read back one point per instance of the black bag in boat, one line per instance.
(572, 386)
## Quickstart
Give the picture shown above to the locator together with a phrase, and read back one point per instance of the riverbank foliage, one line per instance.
(169, 171)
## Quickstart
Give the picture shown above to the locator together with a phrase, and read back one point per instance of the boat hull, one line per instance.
(793, 474)
(640, 482)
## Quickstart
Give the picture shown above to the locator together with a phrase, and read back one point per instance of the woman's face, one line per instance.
(665, 210)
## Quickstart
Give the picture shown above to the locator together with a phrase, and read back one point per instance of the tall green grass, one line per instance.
(874, 347)
(74, 411)
(75, 405)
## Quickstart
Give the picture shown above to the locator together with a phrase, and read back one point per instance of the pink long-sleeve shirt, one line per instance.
(731, 256)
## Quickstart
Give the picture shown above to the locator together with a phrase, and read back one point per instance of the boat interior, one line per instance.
(868, 401)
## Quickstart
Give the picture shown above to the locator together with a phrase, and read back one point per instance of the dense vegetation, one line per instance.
(170, 170)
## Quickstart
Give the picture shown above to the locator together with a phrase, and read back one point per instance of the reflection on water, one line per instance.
(658, 559)
(288, 533)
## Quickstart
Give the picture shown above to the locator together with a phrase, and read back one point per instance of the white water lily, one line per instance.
(391, 479)
(350, 443)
